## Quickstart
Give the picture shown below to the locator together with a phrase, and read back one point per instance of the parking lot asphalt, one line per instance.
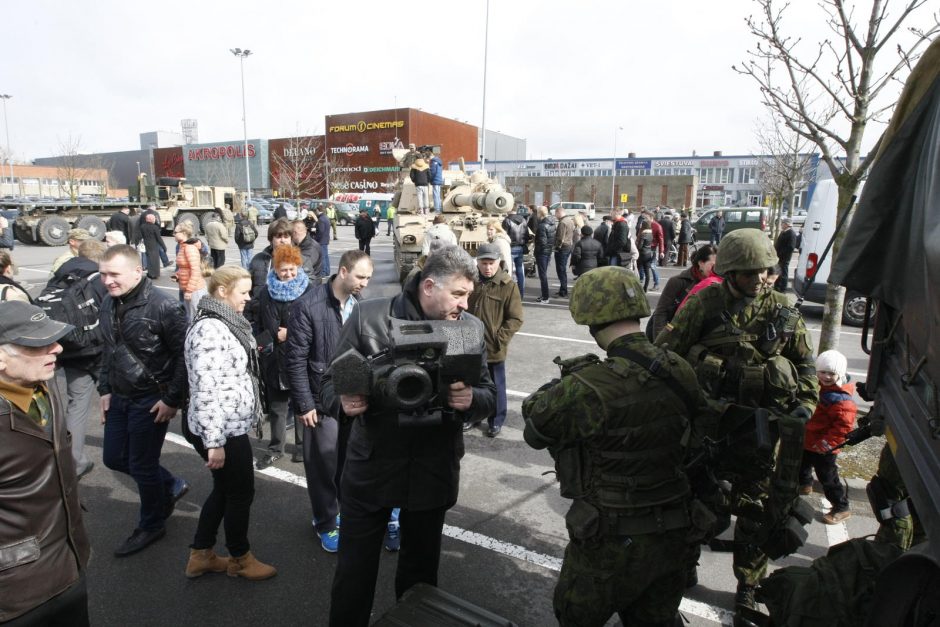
(504, 540)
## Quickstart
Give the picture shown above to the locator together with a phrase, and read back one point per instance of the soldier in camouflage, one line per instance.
(615, 428)
(750, 347)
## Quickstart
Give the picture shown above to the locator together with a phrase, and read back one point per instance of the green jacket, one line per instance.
(498, 304)
(628, 424)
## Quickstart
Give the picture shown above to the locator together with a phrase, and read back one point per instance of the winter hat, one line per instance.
(833, 361)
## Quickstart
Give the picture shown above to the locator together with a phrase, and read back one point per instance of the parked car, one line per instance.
(735, 218)
(265, 216)
(572, 208)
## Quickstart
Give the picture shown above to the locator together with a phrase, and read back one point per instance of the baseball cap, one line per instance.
(28, 325)
(488, 251)
(79, 234)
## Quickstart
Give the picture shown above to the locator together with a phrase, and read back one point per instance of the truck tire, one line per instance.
(94, 225)
(191, 219)
(54, 231)
(207, 217)
(23, 233)
(853, 309)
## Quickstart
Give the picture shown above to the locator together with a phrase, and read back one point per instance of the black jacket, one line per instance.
(619, 239)
(417, 468)
(669, 230)
(421, 178)
(602, 233)
(119, 221)
(6, 237)
(313, 257)
(79, 266)
(323, 229)
(144, 332)
(588, 253)
(365, 228)
(153, 242)
(516, 219)
(280, 212)
(545, 236)
(313, 328)
(785, 245)
(686, 232)
(258, 268)
(273, 315)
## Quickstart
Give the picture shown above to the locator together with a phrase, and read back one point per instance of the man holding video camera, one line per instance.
(411, 370)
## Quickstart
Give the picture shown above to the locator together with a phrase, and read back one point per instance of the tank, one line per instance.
(466, 204)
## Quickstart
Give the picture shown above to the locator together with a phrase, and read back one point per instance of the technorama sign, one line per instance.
(362, 126)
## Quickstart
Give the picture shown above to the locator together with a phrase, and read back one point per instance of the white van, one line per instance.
(818, 229)
(572, 208)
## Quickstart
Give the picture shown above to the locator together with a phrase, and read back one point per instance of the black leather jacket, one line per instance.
(390, 466)
(143, 353)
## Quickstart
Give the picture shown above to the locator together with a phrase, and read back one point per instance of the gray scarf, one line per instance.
(239, 326)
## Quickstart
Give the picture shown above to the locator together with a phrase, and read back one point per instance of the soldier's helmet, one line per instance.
(607, 294)
(745, 250)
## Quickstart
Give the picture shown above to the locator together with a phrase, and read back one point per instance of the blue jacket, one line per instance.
(436, 171)
(323, 229)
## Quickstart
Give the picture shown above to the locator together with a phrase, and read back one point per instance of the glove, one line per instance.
(802, 413)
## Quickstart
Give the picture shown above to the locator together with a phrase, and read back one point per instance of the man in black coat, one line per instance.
(120, 221)
(397, 458)
(365, 231)
(619, 239)
(669, 231)
(784, 245)
(602, 232)
(313, 329)
(309, 249)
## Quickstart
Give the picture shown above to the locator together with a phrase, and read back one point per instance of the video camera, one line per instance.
(412, 376)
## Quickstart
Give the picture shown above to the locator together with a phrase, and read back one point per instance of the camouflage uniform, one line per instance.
(754, 352)
(901, 531)
(615, 429)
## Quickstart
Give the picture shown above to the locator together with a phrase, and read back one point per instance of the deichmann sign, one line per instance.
(221, 152)
(363, 126)
(372, 169)
(348, 150)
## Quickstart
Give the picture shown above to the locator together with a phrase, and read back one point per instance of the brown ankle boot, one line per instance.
(202, 561)
(250, 568)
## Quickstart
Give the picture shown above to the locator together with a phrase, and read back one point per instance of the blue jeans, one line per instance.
(498, 373)
(245, 254)
(436, 193)
(163, 258)
(132, 445)
(653, 264)
(541, 262)
(517, 253)
(325, 267)
(561, 268)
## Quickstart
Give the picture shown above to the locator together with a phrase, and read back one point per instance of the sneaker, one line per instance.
(267, 460)
(337, 521)
(179, 489)
(834, 517)
(329, 540)
(393, 537)
(544, 301)
(806, 490)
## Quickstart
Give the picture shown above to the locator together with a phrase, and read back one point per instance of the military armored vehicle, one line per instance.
(466, 204)
(175, 200)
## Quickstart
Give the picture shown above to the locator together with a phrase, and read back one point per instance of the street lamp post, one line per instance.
(613, 179)
(241, 54)
(486, 45)
(6, 125)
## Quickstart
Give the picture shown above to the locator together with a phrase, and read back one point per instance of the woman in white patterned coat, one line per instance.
(224, 404)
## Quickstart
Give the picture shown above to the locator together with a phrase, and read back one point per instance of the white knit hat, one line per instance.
(833, 361)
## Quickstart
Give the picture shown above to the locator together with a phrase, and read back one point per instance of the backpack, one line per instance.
(245, 233)
(517, 232)
(72, 299)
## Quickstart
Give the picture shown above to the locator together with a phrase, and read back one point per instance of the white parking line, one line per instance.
(696, 608)
(555, 337)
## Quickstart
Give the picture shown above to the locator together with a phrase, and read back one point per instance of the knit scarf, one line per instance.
(238, 325)
(286, 291)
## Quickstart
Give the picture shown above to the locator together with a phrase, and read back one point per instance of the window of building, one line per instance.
(748, 176)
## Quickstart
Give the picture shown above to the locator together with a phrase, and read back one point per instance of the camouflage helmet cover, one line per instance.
(745, 250)
(608, 294)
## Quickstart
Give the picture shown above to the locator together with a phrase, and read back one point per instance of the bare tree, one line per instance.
(71, 166)
(783, 167)
(300, 169)
(828, 92)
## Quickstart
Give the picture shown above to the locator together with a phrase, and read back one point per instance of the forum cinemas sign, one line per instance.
(362, 126)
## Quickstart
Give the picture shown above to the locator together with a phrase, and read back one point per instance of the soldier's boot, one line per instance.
(744, 597)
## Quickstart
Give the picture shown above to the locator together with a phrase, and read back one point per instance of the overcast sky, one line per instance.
(562, 74)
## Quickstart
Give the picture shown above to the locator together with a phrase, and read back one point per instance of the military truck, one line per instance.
(466, 204)
(48, 222)
(891, 254)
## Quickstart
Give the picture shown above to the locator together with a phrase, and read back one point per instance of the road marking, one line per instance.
(835, 534)
(696, 608)
(555, 337)
(515, 393)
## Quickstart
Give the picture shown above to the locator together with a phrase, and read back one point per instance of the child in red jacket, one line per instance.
(833, 419)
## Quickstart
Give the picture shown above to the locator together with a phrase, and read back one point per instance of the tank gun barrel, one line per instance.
(492, 201)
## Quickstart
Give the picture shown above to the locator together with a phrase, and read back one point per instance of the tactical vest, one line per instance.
(742, 363)
(631, 477)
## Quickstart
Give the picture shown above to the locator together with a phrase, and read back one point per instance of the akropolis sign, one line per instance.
(233, 151)
(362, 126)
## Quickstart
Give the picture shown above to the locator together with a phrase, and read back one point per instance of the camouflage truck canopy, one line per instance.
(892, 249)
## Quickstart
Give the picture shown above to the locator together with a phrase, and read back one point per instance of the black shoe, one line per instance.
(179, 489)
(469, 426)
(267, 460)
(297, 457)
(691, 577)
(492, 432)
(139, 541)
(560, 294)
(744, 597)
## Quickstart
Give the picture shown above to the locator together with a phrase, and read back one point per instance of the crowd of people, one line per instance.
(270, 338)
